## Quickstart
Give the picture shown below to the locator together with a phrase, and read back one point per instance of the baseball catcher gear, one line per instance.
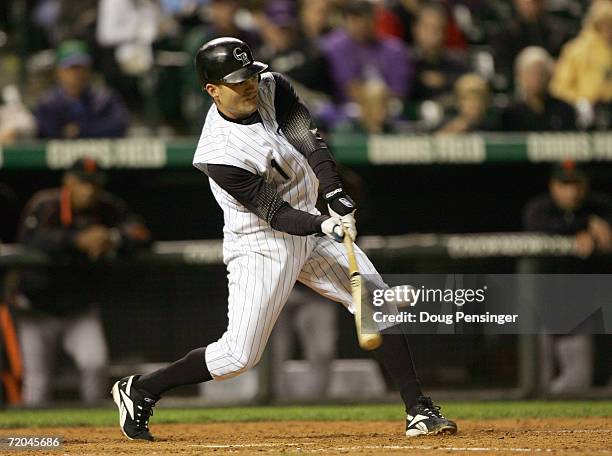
(226, 60)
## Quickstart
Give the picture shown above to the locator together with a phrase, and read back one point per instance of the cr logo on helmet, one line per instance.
(241, 56)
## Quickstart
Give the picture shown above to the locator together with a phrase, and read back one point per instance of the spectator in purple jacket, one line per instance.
(357, 56)
(75, 108)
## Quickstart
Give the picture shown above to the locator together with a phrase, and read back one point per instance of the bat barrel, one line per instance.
(366, 341)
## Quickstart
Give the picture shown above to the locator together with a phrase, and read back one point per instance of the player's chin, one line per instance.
(252, 99)
(249, 107)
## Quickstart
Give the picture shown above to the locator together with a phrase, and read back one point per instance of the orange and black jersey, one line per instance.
(49, 223)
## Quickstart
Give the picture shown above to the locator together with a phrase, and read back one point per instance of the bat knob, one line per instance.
(370, 342)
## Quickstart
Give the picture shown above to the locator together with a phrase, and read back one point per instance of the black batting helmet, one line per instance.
(226, 60)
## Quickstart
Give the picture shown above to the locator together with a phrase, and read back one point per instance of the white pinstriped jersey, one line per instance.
(262, 149)
(263, 264)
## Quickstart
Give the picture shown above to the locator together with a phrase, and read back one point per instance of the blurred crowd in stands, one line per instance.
(107, 68)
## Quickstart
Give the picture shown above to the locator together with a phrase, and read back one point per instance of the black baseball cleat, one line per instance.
(135, 407)
(424, 417)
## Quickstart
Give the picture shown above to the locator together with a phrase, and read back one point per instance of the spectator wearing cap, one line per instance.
(570, 208)
(287, 51)
(357, 56)
(77, 225)
(535, 108)
(75, 108)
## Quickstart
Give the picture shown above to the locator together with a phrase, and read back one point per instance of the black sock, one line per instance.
(189, 370)
(394, 354)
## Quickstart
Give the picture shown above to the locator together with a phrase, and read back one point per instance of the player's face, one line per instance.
(74, 79)
(236, 101)
(568, 196)
(83, 194)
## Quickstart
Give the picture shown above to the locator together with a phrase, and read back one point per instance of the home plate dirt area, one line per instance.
(566, 436)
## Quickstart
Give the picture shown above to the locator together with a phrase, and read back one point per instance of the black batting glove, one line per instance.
(339, 202)
(341, 205)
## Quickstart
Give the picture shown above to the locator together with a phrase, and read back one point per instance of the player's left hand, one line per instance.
(341, 205)
(601, 232)
(348, 224)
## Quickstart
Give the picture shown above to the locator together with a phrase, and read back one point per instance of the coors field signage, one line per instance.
(123, 153)
(348, 148)
(491, 304)
(554, 147)
(421, 149)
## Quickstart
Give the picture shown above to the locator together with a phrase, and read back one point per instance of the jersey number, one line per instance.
(280, 170)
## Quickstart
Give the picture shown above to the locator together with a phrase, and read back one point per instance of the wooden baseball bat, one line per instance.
(366, 341)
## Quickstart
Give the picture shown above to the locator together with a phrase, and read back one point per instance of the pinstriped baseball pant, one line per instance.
(262, 269)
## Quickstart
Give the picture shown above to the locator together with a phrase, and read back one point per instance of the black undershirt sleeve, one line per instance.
(254, 193)
(295, 122)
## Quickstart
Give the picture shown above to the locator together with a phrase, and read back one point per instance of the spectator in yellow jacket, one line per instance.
(584, 69)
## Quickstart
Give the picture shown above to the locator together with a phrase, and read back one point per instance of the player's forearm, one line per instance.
(254, 193)
(296, 222)
(295, 122)
(324, 166)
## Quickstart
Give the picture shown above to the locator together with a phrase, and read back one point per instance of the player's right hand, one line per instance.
(94, 240)
(332, 227)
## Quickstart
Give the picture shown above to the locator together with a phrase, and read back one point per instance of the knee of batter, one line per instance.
(225, 361)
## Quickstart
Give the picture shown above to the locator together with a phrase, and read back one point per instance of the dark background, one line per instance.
(159, 313)
(178, 204)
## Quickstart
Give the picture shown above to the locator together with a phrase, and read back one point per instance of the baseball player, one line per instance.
(265, 163)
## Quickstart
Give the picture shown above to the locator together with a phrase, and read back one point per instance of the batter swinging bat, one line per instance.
(366, 341)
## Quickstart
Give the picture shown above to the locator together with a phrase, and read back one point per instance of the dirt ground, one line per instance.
(583, 436)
